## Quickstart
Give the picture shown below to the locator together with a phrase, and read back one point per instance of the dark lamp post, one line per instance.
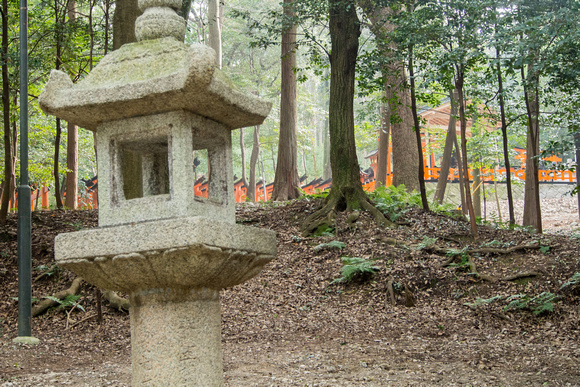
(24, 221)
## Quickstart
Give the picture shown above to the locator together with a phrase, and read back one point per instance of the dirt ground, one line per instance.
(290, 326)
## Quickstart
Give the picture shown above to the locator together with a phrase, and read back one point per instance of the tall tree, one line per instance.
(215, 29)
(287, 181)
(346, 192)
(384, 143)
(126, 12)
(59, 21)
(8, 167)
(251, 189)
(450, 138)
(417, 130)
(397, 109)
(504, 136)
(532, 210)
(72, 143)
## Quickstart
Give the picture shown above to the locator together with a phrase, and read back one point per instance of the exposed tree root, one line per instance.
(483, 250)
(47, 303)
(338, 201)
(491, 250)
(394, 242)
(525, 274)
(116, 302)
(473, 269)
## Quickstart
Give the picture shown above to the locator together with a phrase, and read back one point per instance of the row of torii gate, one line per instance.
(437, 117)
(89, 198)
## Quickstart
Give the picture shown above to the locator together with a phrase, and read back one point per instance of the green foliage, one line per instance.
(355, 267)
(575, 280)
(427, 241)
(543, 302)
(395, 201)
(324, 230)
(70, 301)
(49, 270)
(317, 195)
(330, 245)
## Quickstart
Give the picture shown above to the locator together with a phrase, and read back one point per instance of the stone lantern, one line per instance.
(154, 105)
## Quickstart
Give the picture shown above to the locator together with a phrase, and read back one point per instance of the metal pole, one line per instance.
(24, 221)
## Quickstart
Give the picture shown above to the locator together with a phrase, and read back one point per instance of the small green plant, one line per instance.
(575, 280)
(77, 226)
(543, 302)
(545, 249)
(324, 230)
(319, 194)
(48, 270)
(355, 267)
(330, 245)
(427, 241)
(462, 253)
(69, 301)
(395, 201)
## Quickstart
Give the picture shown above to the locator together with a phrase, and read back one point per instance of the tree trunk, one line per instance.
(72, 176)
(344, 33)
(346, 192)
(126, 12)
(384, 139)
(106, 26)
(243, 152)
(532, 211)
(461, 181)
(450, 138)
(505, 142)
(215, 29)
(57, 193)
(417, 129)
(468, 202)
(72, 152)
(405, 163)
(477, 192)
(251, 191)
(59, 39)
(6, 189)
(286, 180)
(327, 171)
(185, 9)
(577, 153)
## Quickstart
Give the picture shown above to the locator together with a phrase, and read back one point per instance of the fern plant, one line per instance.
(68, 301)
(575, 280)
(427, 242)
(355, 267)
(330, 245)
(395, 201)
(543, 302)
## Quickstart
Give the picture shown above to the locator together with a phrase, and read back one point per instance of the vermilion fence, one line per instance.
(89, 198)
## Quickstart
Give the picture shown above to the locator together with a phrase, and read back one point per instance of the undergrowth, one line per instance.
(355, 267)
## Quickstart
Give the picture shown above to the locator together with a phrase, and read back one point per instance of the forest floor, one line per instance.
(291, 326)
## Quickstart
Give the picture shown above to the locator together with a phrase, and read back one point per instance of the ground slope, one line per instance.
(291, 326)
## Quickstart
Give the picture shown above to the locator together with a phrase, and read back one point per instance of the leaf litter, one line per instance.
(291, 326)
